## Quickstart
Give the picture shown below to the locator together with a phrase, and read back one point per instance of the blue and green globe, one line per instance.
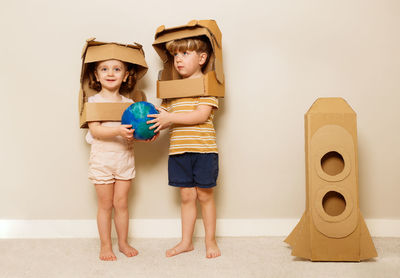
(136, 115)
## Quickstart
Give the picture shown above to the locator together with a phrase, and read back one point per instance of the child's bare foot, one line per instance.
(128, 250)
(179, 248)
(212, 250)
(107, 254)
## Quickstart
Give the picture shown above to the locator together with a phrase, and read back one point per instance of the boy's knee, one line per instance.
(188, 195)
(204, 195)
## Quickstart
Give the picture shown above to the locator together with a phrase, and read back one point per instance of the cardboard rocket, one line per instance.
(332, 227)
(95, 51)
(170, 84)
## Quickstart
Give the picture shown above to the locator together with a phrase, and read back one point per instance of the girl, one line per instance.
(111, 163)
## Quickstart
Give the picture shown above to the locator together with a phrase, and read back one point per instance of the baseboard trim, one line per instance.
(169, 228)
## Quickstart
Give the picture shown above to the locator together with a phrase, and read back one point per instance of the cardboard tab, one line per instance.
(192, 23)
(332, 227)
(160, 29)
(214, 80)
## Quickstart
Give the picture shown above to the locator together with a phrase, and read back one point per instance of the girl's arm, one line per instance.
(106, 132)
(165, 119)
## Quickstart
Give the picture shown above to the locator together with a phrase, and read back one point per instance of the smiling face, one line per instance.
(111, 74)
(189, 63)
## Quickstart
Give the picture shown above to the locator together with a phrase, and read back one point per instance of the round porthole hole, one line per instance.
(332, 163)
(333, 203)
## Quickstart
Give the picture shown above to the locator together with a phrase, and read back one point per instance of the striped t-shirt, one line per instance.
(198, 138)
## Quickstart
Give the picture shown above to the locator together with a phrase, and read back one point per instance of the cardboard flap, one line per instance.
(205, 86)
(95, 51)
(183, 87)
(160, 29)
(219, 71)
(192, 23)
(81, 101)
(86, 46)
(212, 26)
(100, 112)
(158, 44)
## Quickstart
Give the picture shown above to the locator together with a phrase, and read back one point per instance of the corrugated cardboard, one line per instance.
(332, 227)
(170, 84)
(95, 51)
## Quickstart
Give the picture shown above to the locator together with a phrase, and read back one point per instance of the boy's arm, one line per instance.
(106, 132)
(165, 119)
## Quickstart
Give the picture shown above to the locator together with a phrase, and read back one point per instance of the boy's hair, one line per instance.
(199, 44)
(126, 87)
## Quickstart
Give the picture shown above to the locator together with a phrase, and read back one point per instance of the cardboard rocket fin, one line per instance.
(298, 239)
(367, 247)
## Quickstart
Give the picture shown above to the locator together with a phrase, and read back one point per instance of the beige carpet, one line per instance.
(241, 257)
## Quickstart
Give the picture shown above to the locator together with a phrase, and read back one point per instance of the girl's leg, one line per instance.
(188, 215)
(208, 211)
(105, 194)
(121, 216)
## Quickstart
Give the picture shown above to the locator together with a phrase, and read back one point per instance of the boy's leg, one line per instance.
(105, 194)
(206, 198)
(188, 216)
(121, 216)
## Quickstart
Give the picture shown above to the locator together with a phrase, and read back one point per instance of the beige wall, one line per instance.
(279, 56)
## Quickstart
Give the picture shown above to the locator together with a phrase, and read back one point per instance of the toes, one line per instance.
(108, 258)
(132, 254)
(170, 252)
(129, 252)
(213, 254)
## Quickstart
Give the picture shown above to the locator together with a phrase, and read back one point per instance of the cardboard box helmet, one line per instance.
(95, 51)
(170, 84)
(332, 227)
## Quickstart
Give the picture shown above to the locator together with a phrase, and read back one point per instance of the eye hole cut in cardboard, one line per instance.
(95, 51)
(170, 84)
(332, 227)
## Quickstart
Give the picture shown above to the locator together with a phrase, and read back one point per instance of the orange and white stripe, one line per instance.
(199, 138)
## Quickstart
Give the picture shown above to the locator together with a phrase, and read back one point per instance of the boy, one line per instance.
(193, 154)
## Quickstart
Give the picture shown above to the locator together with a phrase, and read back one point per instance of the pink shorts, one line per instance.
(106, 166)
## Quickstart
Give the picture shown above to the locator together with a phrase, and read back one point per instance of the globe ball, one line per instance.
(136, 115)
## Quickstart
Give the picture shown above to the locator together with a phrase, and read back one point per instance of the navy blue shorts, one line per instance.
(193, 170)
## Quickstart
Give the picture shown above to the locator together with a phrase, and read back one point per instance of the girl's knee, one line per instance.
(120, 203)
(105, 204)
